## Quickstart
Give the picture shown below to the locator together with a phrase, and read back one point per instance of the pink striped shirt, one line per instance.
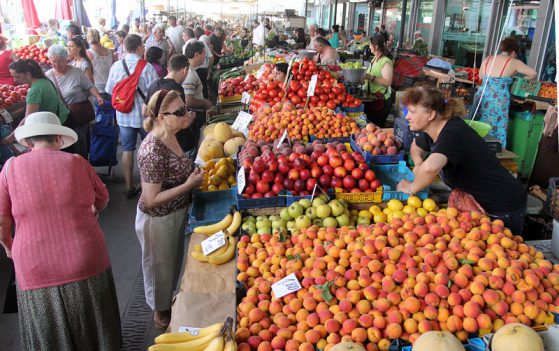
(58, 240)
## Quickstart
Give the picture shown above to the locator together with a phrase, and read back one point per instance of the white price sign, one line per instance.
(213, 243)
(312, 85)
(189, 330)
(241, 180)
(241, 122)
(286, 286)
(245, 99)
(7, 116)
(282, 139)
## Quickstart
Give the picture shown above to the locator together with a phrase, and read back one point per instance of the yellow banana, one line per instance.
(193, 345)
(197, 248)
(230, 344)
(221, 250)
(235, 224)
(216, 344)
(227, 256)
(169, 338)
(216, 227)
(199, 256)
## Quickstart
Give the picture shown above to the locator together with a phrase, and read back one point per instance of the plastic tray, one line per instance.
(359, 198)
(552, 202)
(354, 109)
(246, 204)
(211, 206)
(524, 87)
(372, 159)
(474, 344)
(390, 175)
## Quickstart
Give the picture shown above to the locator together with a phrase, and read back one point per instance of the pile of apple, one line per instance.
(34, 52)
(238, 85)
(452, 271)
(375, 141)
(271, 122)
(271, 169)
(10, 94)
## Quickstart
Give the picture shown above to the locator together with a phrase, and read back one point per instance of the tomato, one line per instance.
(332, 96)
(272, 85)
(325, 89)
(331, 105)
(302, 93)
(295, 71)
(321, 103)
(273, 93)
(337, 101)
(315, 99)
(323, 97)
(294, 85)
(358, 102)
(295, 99)
(336, 90)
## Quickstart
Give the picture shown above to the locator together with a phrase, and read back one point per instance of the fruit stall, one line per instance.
(299, 239)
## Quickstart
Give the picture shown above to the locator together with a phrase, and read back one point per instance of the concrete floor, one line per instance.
(117, 222)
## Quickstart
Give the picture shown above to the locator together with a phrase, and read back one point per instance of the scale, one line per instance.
(355, 89)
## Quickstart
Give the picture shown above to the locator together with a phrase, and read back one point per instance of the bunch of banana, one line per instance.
(229, 223)
(220, 256)
(212, 338)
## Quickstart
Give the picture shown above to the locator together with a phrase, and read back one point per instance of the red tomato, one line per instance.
(321, 103)
(272, 85)
(296, 99)
(324, 97)
(273, 93)
(315, 99)
(302, 93)
(331, 105)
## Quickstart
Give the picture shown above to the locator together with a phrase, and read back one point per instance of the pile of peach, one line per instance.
(452, 271)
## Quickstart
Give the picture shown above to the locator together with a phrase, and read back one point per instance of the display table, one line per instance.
(206, 294)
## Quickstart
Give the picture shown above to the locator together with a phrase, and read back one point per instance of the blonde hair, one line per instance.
(93, 36)
(152, 110)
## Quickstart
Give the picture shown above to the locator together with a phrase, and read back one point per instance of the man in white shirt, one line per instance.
(174, 32)
(258, 33)
(189, 35)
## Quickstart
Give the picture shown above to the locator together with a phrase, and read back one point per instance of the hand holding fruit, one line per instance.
(195, 178)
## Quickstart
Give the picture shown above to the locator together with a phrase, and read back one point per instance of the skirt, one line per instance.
(80, 316)
(162, 242)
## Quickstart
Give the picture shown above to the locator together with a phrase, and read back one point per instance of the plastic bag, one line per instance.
(464, 202)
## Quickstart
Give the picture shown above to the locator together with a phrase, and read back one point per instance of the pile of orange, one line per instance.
(548, 91)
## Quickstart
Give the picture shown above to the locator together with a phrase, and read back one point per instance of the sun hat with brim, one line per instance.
(44, 123)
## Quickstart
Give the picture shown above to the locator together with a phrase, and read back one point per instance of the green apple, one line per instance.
(295, 210)
(303, 222)
(323, 211)
(273, 218)
(249, 227)
(306, 203)
(323, 197)
(343, 203)
(311, 213)
(347, 213)
(261, 218)
(279, 223)
(318, 201)
(291, 225)
(363, 221)
(249, 219)
(264, 230)
(317, 222)
(284, 214)
(337, 208)
(343, 220)
(263, 224)
(329, 222)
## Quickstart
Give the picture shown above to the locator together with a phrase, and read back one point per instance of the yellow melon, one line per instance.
(438, 341)
(232, 146)
(222, 132)
(516, 337)
(210, 149)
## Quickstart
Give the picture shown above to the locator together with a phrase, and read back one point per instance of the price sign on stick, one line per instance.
(282, 139)
(314, 191)
(245, 99)
(241, 180)
(287, 76)
(286, 286)
(241, 122)
(213, 243)
(312, 85)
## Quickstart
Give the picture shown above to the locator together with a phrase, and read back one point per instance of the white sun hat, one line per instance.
(44, 123)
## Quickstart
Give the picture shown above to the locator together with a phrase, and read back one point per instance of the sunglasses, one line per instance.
(181, 112)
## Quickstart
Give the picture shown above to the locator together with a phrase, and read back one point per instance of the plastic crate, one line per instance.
(211, 206)
(474, 344)
(390, 176)
(246, 204)
(524, 135)
(234, 99)
(361, 108)
(359, 198)
(552, 202)
(380, 159)
(403, 133)
(330, 140)
(524, 87)
(290, 198)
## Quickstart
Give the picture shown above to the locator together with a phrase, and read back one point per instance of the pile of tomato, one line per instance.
(238, 85)
(32, 52)
(10, 94)
(473, 74)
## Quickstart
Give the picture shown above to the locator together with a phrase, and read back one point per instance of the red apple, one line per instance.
(257, 196)
(349, 182)
(284, 167)
(279, 178)
(277, 188)
(322, 160)
(329, 170)
(335, 162)
(258, 165)
(268, 176)
(299, 185)
(305, 174)
(253, 177)
(337, 183)
(311, 183)
(363, 184)
(299, 163)
(346, 156)
(363, 166)
(370, 175)
(316, 172)
(249, 189)
(288, 184)
(273, 165)
(375, 184)
(325, 181)
(315, 155)
(349, 165)
(262, 187)
(293, 174)
(357, 173)
(270, 194)
(340, 172)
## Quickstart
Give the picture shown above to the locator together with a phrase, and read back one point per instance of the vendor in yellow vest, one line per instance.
(378, 80)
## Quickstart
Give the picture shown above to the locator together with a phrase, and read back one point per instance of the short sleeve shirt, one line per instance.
(193, 85)
(163, 44)
(164, 83)
(74, 84)
(44, 94)
(159, 165)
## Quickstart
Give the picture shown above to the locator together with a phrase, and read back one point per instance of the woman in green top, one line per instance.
(378, 80)
(334, 37)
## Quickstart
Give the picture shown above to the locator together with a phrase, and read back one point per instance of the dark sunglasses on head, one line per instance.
(181, 112)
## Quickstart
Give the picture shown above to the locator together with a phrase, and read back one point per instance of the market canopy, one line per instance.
(30, 14)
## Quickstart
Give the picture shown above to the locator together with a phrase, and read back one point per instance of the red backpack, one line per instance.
(125, 90)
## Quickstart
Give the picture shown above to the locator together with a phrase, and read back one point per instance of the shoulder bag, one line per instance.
(80, 112)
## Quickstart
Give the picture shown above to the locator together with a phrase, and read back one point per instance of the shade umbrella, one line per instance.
(63, 10)
(30, 14)
(80, 15)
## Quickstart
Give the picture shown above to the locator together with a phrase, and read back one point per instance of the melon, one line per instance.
(222, 132)
(209, 130)
(232, 146)
(236, 133)
(438, 341)
(516, 337)
(210, 149)
(347, 346)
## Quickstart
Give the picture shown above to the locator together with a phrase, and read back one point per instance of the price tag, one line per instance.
(7, 116)
(241, 180)
(282, 139)
(245, 99)
(317, 187)
(213, 243)
(190, 330)
(312, 85)
(286, 286)
(242, 121)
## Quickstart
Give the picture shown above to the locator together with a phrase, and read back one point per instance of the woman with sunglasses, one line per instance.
(168, 178)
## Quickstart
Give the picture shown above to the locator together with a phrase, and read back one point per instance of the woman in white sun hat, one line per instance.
(65, 287)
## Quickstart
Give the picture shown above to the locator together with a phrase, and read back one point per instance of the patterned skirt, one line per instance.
(78, 316)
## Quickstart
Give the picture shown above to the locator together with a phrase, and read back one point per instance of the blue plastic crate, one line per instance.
(373, 159)
(390, 175)
(211, 206)
(361, 108)
(290, 198)
(330, 140)
(246, 204)
(474, 344)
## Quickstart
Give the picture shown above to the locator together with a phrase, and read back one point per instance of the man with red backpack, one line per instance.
(125, 84)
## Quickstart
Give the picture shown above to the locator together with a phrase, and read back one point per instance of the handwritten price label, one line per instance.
(213, 243)
(189, 330)
(242, 122)
(312, 85)
(282, 139)
(241, 180)
(245, 99)
(286, 286)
